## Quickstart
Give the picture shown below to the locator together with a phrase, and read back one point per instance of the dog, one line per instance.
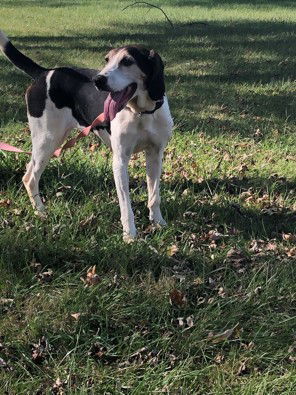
(129, 90)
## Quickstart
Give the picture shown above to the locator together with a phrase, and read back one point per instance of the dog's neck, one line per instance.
(141, 103)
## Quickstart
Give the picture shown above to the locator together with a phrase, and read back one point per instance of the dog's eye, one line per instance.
(126, 62)
(107, 59)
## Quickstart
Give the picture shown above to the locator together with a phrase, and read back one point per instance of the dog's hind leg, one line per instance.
(47, 136)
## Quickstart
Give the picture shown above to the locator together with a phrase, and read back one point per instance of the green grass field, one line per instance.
(206, 305)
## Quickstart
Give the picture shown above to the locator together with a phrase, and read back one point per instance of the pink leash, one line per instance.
(69, 144)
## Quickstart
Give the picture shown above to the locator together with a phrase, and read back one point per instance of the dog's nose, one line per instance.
(101, 82)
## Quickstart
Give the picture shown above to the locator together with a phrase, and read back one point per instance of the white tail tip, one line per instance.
(3, 40)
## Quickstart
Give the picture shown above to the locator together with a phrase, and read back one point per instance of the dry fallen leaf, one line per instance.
(91, 277)
(76, 316)
(3, 364)
(219, 358)
(5, 301)
(59, 387)
(5, 202)
(291, 252)
(214, 235)
(198, 281)
(177, 298)
(223, 336)
(94, 147)
(289, 237)
(243, 369)
(17, 211)
(181, 321)
(235, 253)
(189, 321)
(172, 250)
(88, 221)
(271, 246)
(39, 350)
(45, 277)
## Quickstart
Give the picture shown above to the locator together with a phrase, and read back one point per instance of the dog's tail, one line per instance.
(18, 59)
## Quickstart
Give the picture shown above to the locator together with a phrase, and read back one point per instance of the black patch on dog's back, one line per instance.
(36, 96)
(75, 89)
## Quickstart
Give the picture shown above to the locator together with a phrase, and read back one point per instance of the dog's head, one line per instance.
(132, 68)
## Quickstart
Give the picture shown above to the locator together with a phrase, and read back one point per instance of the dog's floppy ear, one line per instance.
(155, 79)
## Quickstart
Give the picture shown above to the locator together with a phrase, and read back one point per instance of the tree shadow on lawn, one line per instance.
(227, 3)
(43, 3)
(238, 65)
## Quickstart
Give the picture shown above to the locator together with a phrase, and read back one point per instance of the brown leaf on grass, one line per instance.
(59, 387)
(39, 350)
(4, 365)
(257, 134)
(223, 336)
(243, 369)
(88, 221)
(177, 298)
(76, 316)
(189, 321)
(235, 253)
(5, 202)
(257, 246)
(291, 359)
(198, 281)
(272, 246)
(289, 237)
(17, 211)
(291, 252)
(94, 147)
(91, 277)
(45, 277)
(6, 301)
(142, 356)
(36, 266)
(172, 250)
(100, 352)
(237, 258)
(186, 323)
(248, 346)
(215, 235)
(219, 358)
(261, 246)
(221, 292)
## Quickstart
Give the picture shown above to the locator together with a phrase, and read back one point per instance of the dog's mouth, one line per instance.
(116, 101)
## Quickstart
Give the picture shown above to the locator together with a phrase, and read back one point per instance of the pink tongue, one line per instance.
(116, 101)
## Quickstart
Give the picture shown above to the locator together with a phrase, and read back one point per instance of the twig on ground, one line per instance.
(150, 5)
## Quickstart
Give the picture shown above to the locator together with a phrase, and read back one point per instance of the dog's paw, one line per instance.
(129, 238)
(41, 212)
(159, 222)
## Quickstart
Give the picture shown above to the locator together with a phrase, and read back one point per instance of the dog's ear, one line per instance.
(155, 79)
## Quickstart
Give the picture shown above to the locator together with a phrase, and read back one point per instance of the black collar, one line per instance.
(158, 104)
(106, 126)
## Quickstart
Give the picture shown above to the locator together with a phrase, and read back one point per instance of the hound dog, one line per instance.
(129, 90)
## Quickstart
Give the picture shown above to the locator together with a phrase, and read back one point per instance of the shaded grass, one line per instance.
(230, 168)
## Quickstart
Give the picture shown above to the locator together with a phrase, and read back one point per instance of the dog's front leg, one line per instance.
(153, 167)
(120, 171)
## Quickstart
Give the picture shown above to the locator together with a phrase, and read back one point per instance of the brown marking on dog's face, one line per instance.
(132, 64)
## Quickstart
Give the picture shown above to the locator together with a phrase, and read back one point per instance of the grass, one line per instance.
(205, 305)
